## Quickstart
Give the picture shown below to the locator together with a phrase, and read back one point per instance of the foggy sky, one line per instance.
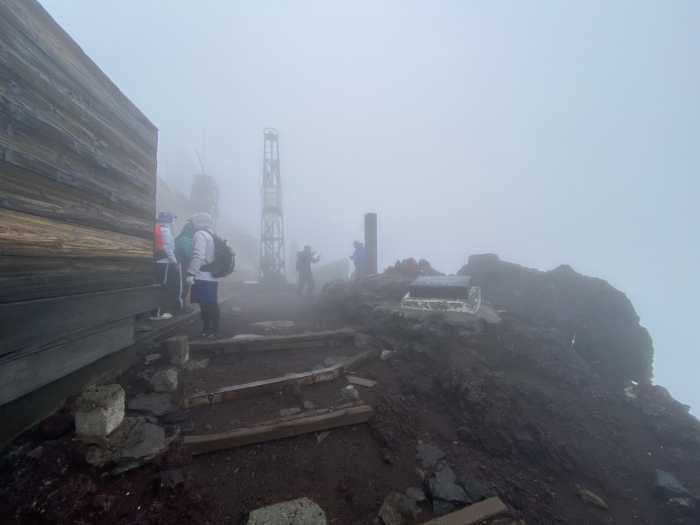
(546, 132)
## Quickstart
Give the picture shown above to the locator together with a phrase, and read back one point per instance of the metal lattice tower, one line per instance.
(272, 263)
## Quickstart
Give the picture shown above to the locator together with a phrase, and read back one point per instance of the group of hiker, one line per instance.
(183, 265)
(306, 257)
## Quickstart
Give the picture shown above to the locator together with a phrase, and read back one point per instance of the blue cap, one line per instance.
(166, 216)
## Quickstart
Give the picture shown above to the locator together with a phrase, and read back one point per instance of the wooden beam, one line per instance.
(33, 325)
(30, 278)
(361, 381)
(26, 235)
(29, 192)
(33, 33)
(274, 342)
(24, 373)
(472, 514)
(278, 429)
(267, 386)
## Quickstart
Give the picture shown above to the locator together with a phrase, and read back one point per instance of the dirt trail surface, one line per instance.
(514, 408)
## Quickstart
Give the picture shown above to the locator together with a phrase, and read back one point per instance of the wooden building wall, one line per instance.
(77, 206)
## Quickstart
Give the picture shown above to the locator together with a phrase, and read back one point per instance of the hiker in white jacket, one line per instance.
(205, 288)
(167, 271)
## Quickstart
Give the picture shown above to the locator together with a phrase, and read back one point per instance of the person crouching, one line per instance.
(205, 287)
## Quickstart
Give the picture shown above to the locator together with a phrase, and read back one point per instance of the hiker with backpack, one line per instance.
(303, 266)
(166, 269)
(211, 259)
(183, 254)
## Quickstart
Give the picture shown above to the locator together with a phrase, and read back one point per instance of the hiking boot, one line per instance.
(163, 317)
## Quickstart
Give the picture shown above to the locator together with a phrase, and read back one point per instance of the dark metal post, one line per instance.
(370, 243)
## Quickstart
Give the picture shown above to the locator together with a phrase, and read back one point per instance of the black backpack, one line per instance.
(224, 259)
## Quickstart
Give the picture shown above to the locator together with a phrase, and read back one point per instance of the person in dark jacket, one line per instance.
(306, 278)
(183, 254)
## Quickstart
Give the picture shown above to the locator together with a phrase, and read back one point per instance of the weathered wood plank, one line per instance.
(28, 192)
(21, 374)
(25, 235)
(308, 413)
(31, 325)
(71, 165)
(472, 514)
(21, 122)
(41, 94)
(275, 342)
(268, 386)
(27, 278)
(278, 430)
(68, 65)
(22, 89)
(361, 381)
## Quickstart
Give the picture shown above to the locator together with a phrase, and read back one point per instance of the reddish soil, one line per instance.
(511, 403)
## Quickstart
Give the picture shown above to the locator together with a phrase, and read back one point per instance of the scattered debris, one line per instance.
(197, 365)
(152, 358)
(589, 497)
(398, 508)
(178, 349)
(321, 436)
(668, 486)
(164, 381)
(348, 392)
(144, 440)
(153, 403)
(300, 511)
(428, 455)
(360, 381)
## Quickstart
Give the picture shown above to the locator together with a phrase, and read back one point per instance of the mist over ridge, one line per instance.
(547, 134)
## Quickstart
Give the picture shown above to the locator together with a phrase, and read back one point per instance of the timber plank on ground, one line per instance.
(361, 381)
(477, 513)
(274, 342)
(278, 429)
(267, 386)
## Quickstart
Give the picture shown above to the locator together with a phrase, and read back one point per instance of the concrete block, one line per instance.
(99, 411)
(178, 349)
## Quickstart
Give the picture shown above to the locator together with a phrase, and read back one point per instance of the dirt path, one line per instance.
(509, 404)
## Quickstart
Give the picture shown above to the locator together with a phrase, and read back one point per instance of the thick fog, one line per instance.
(546, 132)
